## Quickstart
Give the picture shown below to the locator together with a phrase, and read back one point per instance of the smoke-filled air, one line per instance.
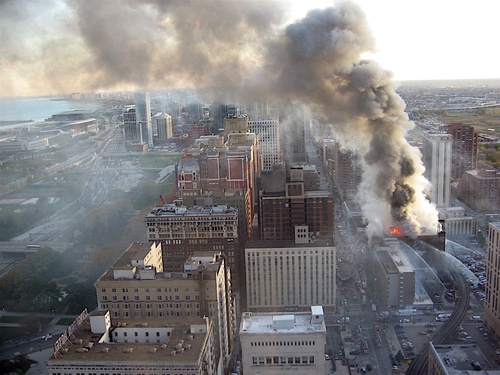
(65, 46)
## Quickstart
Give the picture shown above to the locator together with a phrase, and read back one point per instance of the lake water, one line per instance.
(38, 109)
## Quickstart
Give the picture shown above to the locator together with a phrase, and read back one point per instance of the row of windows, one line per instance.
(136, 290)
(148, 298)
(159, 314)
(133, 372)
(148, 306)
(282, 343)
(303, 360)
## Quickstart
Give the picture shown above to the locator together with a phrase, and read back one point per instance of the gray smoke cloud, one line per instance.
(79, 45)
(318, 61)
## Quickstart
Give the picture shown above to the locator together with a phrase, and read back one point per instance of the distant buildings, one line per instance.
(281, 343)
(492, 300)
(394, 275)
(480, 190)
(130, 130)
(137, 125)
(436, 155)
(456, 223)
(18, 145)
(464, 149)
(163, 124)
(143, 118)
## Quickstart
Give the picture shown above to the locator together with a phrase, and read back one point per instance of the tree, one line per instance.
(399, 356)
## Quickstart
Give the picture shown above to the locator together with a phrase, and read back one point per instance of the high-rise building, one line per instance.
(436, 155)
(283, 343)
(394, 275)
(346, 172)
(292, 136)
(163, 124)
(184, 230)
(290, 274)
(464, 149)
(285, 204)
(492, 300)
(480, 190)
(143, 118)
(268, 139)
(130, 131)
(235, 124)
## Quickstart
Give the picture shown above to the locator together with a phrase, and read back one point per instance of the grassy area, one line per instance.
(159, 160)
(65, 321)
(11, 319)
(8, 333)
(483, 120)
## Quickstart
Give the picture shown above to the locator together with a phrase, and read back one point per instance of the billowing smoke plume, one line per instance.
(319, 62)
(150, 44)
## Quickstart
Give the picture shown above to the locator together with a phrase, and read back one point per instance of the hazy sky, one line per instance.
(62, 46)
(431, 39)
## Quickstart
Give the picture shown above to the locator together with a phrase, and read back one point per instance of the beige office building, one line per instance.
(283, 275)
(275, 344)
(133, 291)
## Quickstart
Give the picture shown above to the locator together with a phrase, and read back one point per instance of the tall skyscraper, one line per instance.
(143, 118)
(163, 124)
(286, 204)
(269, 142)
(130, 130)
(437, 160)
(492, 300)
(464, 149)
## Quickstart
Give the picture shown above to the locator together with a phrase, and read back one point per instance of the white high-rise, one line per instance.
(143, 118)
(437, 161)
(269, 143)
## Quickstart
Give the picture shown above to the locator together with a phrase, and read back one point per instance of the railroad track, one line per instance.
(420, 363)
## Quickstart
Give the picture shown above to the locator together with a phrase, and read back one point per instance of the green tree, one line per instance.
(399, 356)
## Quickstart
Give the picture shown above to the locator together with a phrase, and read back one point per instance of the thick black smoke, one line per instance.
(81, 45)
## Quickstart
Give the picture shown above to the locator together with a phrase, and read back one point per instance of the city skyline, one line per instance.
(58, 47)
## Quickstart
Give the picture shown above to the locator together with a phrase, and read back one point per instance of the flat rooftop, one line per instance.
(171, 210)
(136, 352)
(261, 323)
(457, 359)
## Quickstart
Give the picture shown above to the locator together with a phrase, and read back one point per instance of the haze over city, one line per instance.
(56, 47)
(243, 187)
